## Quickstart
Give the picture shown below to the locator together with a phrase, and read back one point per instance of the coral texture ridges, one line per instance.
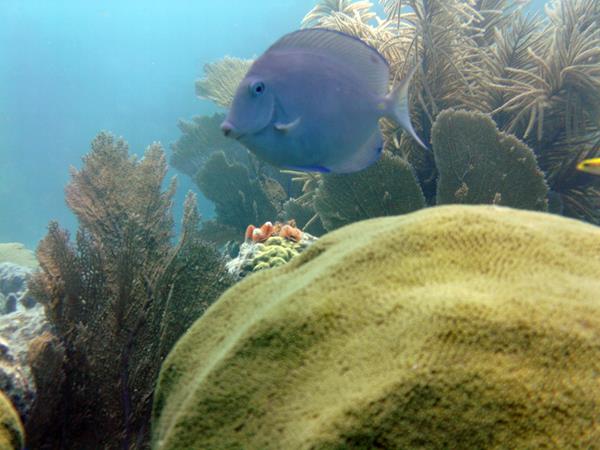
(451, 327)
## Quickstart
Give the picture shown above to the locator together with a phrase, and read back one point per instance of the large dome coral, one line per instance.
(451, 327)
(11, 429)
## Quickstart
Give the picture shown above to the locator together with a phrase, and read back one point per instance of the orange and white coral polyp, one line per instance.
(259, 234)
(286, 231)
(291, 233)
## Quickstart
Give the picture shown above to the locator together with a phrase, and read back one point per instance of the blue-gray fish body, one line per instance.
(313, 101)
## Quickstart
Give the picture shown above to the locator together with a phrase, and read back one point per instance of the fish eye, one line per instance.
(257, 88)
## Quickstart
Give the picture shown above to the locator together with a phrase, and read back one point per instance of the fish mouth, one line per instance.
(230, 131)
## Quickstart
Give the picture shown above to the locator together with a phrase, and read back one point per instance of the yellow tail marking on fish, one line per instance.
(591, 165)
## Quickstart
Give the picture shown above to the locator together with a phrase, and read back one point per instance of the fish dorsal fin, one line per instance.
(367, 61)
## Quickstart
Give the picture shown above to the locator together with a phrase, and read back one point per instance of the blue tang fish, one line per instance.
(313, 100)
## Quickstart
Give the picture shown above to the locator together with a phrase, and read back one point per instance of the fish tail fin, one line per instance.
(398, 101)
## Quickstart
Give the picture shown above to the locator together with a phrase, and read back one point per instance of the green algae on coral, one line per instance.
(452, 327)
(477, 163)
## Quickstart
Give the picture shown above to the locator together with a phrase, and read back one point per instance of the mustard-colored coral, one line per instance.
(12, 436)
(456, 327)
(274, 252)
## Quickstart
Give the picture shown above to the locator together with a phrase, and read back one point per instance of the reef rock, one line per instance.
(17, 330)
(21, 320)
(452, 327)
(13, 288)
(17, 253)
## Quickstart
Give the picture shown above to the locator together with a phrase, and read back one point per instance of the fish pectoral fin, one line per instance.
(285, 127)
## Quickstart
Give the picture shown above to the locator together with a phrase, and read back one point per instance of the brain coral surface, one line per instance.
(456, 327)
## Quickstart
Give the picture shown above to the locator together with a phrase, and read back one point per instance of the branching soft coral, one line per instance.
(558, 91)
(222, 79)
(121, 294)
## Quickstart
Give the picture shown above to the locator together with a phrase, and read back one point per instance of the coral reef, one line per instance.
(217, 166)
(537, 78)
(117, 298)
(287, 231)
(304, 214)
(15, 381)
(17, 330)
(479, 164)
(268, 246)
(12, 436)
(451, 327)
(21, 320)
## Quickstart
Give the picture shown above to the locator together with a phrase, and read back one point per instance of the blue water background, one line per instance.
(69, 69)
